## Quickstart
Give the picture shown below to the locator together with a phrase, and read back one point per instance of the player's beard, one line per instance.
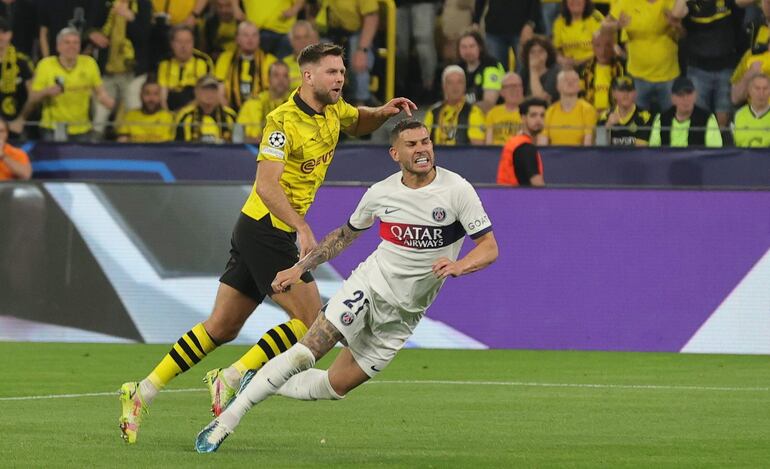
(325, 97)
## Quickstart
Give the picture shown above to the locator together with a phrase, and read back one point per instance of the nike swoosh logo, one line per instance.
(388, 211)
(271, 383)
(374, 369)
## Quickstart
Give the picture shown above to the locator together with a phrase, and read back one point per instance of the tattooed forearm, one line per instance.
(321, 337)
(333, 244)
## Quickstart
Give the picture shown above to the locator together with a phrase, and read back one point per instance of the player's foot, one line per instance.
(133, 409)
(221, 392)
(209, 439)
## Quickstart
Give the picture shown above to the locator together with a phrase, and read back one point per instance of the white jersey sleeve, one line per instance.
(470, 212)
(363, 216)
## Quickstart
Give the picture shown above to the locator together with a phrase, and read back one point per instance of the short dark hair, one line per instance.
(530, 102)
(313, 53)
(402, 125)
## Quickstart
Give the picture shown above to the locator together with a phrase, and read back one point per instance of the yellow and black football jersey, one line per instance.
(304, 141)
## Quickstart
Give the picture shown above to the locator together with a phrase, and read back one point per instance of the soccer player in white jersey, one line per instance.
(425, 213)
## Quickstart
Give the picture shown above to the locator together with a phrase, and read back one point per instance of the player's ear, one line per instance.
(393, 153)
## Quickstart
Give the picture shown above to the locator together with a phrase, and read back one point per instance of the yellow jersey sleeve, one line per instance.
(43, 77)
(94, 75)
(428, 121)
(348, 114)
(476, 124)
(277, 141)
(163, 73)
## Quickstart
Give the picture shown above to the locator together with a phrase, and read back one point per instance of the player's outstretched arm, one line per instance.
(333, 244)
(483, 254)
(371, 118)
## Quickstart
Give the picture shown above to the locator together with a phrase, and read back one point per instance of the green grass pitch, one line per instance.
(430, 408)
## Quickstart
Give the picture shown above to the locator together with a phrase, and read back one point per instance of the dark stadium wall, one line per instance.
(600, 166)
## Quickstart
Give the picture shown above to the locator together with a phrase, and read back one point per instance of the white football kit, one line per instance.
(380, 304)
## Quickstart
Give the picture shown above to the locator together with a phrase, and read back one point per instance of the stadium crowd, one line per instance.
(613, 72)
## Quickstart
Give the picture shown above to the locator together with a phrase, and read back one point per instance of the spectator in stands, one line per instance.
(15, 75)
(53, 16)
(416, 24)
(254, 111)
(274, 18)
(539, 69)
(168, 14)
(520, 162)
(508, 24)
(711, 51)
(685, 124)
(751, 127)
(219, 29)
(302, 34)
(14, 162)
(150, 123)
(454, 121)
(625, 124)
(205, 120)
(118, 33)
(750, 65)
(65, 84)
(598, 74)
(243, 71)
(570, 120)
(177, 75)
(652, 46)
(21, 15)
(573, 32)
(456, 18)
(504, 120)
(483, 74)
(353, 24)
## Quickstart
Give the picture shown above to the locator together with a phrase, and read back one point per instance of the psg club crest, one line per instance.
(277, 139)
(347, 318)
(439, 214)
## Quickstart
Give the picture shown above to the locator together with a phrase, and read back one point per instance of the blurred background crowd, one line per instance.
(613, 72)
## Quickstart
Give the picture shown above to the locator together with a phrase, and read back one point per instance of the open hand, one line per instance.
(396, 105)
(444, 268)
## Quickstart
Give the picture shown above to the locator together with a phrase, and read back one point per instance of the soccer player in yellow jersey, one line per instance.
(64, 83)
(296, 150)
(254, 112)
(149, 124)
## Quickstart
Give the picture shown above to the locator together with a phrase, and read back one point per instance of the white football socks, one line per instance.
(310, 385)
(232, 377)
(267, 381)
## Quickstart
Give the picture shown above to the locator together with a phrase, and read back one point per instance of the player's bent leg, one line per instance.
(346, 374)
(302, 304)
(231, 309)
(321, 337)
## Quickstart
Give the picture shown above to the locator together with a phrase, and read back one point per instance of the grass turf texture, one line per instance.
(684, 421)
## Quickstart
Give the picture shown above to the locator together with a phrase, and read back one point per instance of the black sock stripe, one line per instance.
(289, 333)
(194, 340)
(188, 350)
(266, 348)
(278, 340)
(179, 360)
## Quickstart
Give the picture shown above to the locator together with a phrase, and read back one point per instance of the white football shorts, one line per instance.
(373, 329)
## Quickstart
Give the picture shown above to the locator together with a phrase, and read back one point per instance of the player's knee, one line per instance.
(222, 332)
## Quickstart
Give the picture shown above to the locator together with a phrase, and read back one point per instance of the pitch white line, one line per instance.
(453, 383)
